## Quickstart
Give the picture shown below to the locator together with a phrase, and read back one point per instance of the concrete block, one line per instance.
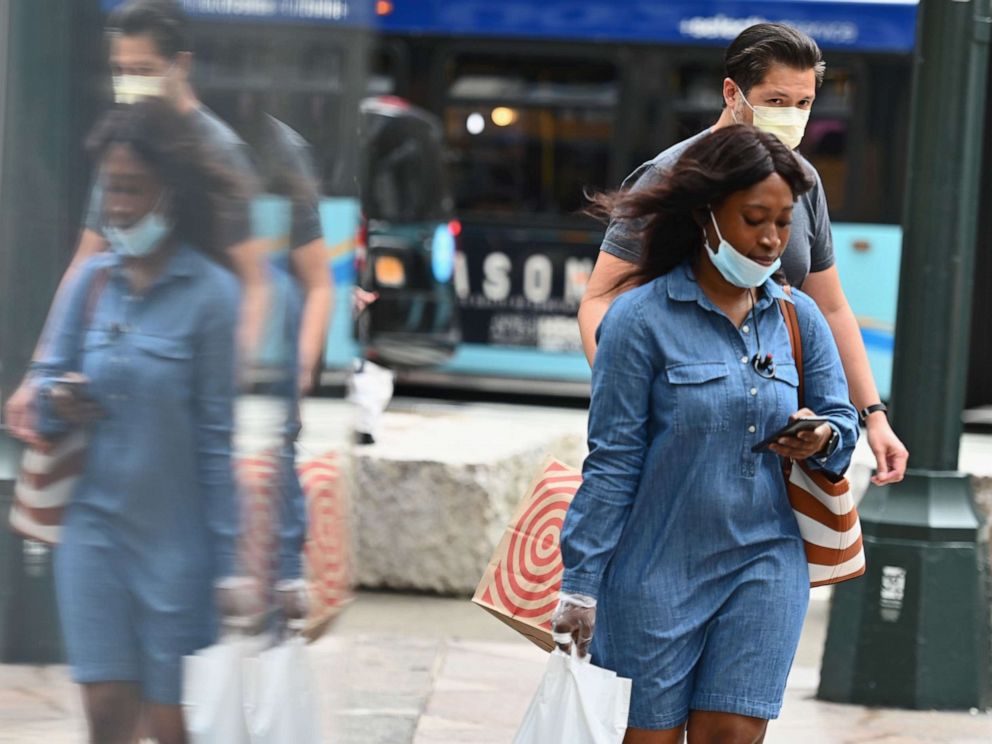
(433, 495)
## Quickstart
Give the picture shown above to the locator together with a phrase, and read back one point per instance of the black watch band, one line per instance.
(831, 443)
(864, 413)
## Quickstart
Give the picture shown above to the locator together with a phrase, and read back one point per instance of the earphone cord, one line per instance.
(760, 365)
(754, 322)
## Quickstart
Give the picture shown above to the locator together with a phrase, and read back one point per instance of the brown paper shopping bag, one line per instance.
(327, 557)
(521, 583)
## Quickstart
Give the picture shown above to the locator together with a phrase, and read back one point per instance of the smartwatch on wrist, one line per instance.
(864, 413)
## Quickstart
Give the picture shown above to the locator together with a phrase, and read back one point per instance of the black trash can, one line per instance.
(29, 624)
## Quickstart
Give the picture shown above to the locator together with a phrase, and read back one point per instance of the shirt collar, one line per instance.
(182, 263)
(683, 287)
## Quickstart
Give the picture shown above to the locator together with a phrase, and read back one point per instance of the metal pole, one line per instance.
(914, 631)
(46, 91)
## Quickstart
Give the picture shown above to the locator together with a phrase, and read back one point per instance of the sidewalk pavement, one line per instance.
(401, 669)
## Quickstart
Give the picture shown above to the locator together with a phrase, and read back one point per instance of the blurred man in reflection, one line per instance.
(299, 309)
(150, 57)
(141, 355)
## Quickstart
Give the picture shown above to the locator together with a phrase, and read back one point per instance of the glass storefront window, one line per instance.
(531, 135)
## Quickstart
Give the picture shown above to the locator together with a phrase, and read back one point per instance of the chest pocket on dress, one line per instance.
(786, 383)
(702, 397)
(165, 366)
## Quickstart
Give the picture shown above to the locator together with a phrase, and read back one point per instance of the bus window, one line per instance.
(321, 66)
(301, 82)
(825, 144)
(528, 135)
(384, 71)
(698, 97)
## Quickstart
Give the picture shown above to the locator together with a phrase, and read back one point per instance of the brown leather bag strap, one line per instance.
(796, 340)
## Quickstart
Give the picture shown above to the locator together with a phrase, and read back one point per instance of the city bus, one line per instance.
(544, 99)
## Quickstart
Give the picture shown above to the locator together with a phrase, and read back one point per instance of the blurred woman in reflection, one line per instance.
(143, 358)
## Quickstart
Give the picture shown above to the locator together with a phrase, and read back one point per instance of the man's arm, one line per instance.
(603, 288)
(310, 265)
(248, 262)
(825, 289)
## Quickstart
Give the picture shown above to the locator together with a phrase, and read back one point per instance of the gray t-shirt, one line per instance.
(810, 248)
(285, 165)
(220, 141)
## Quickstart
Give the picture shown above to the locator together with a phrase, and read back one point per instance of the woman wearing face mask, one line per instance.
(142, 356)
(683, 561)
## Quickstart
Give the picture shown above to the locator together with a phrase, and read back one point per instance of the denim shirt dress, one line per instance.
(154, 517)
(685, 537)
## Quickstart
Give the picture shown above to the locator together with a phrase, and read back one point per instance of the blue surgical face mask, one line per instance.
(142, 238)
(735, 267)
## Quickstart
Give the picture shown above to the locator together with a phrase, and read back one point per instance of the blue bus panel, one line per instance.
(868, 260)
(339, 219)
(843, 25)
(354, 13)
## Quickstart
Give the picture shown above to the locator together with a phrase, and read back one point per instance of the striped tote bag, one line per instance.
(49, 474)
(822, 502)
(44, 485)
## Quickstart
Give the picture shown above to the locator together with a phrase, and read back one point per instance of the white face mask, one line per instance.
(132, 88)
(788, 123)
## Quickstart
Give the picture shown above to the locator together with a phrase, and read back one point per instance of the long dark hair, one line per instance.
(200, 188)
(666, 215)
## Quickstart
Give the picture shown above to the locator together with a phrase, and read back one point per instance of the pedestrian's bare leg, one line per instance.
(166, 723)
(112, 710)
(144, 726)
(710, 727)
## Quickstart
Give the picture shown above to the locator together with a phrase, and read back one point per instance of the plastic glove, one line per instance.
(294, 603)
(574, 620)
(240, 603)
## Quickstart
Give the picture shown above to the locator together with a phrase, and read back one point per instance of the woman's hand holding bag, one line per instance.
(240, 603)
(574, 620)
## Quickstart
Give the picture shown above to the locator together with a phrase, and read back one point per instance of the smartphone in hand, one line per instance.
(790, 430)
(79, 388)
(73, 402)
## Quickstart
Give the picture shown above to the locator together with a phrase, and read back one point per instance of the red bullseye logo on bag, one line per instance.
(326, 552)
(521, 583)
(257, 483)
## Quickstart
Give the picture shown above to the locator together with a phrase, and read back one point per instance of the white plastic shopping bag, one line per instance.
(281, 696)
(213, 693)
(577, 703)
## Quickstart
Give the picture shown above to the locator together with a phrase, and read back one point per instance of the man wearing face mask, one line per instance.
(150, 57)
(772, 74)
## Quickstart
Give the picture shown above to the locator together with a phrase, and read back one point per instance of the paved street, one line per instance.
(401, 668)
